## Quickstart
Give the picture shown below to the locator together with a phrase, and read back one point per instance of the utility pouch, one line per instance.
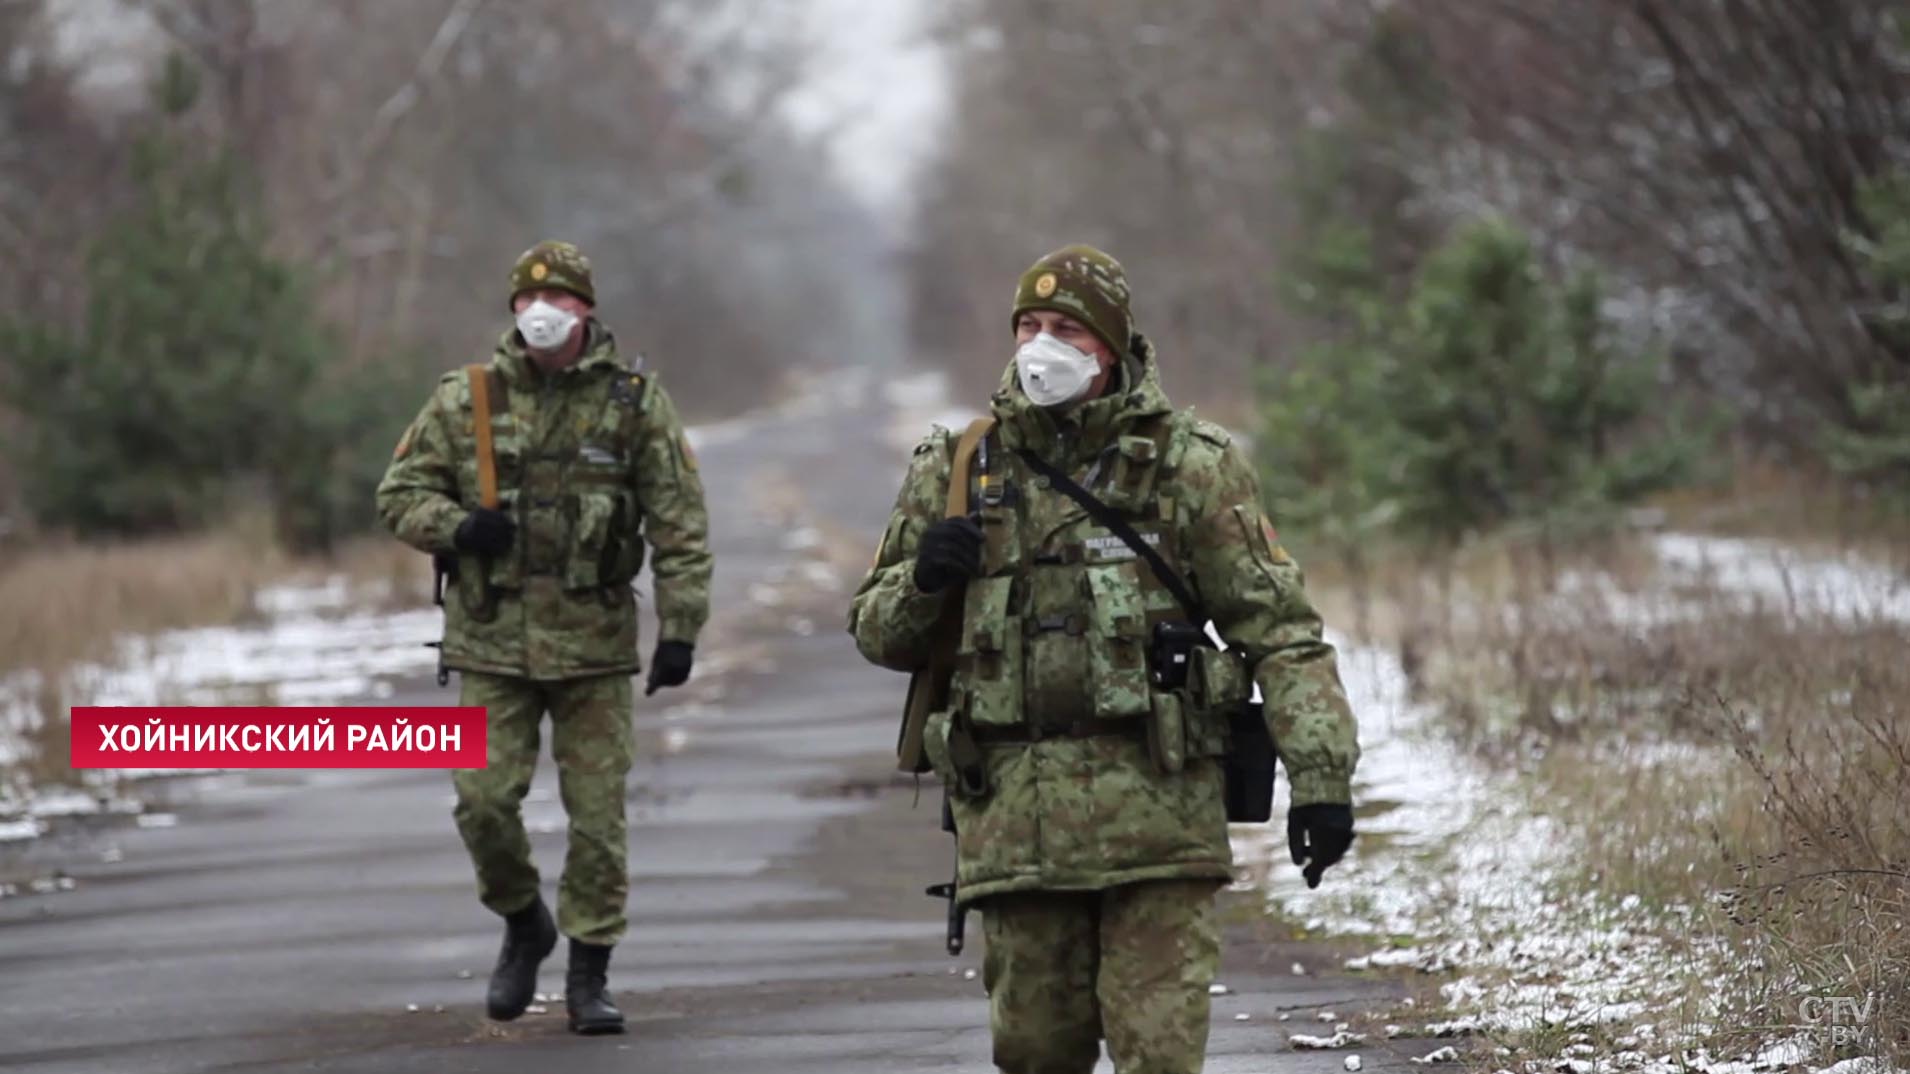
(1117, 643)
(600, 553)
(1170, 653)
(1217, 679)
(1167, 733)
(954, 755)
(475, 592)
(990, 656)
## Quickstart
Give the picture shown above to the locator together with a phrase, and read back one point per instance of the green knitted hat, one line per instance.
(1085, 284)
(553, 264)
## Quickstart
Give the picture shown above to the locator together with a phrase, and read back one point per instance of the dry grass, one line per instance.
(1752, 766)
(66, 602)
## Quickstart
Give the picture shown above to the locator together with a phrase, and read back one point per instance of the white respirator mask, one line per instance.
(544, 326)
(1054, 373)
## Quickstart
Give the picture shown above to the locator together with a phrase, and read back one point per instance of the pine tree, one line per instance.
(199, 373)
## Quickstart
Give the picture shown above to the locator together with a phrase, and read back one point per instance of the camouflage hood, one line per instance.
(1085, 428)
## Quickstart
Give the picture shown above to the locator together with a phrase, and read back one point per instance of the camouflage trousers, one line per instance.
(1132, 964)
(590, 739)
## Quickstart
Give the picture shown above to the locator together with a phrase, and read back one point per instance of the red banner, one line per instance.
(419, 736)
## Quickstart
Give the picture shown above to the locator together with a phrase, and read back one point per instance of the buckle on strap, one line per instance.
(1074, 624)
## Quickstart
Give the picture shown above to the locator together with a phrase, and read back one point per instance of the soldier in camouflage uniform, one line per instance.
(1091, 830)
(590, 464)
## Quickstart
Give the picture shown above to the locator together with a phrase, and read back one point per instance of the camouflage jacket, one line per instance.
(591, 463)
(1054, 634)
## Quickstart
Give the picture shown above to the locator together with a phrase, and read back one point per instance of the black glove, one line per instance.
(950, 553)
(485, 532)
(1321, 833)
(669, 665)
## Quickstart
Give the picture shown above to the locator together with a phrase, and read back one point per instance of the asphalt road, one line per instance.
(326, 921)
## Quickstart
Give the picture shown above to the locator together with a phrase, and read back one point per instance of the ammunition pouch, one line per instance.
(603, 552)
(1117, 643)
(477, 593)
(989, 656)
(955, 755)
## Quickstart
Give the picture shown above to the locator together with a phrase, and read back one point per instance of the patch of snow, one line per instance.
(1452, 856)
(13, 831)
(312, 644)
(49, 885)
(1342, 1039)
(920, 403)
(1842, 586)
(1860, 1065)
(802, 539)
(1785, 1053)
(1390, 958)
(1448, 1054)
(63, 802)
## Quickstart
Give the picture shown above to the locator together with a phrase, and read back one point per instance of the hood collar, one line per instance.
(1085, 428)
(600, 349)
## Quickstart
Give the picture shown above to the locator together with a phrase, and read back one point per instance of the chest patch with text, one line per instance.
(1111, 549)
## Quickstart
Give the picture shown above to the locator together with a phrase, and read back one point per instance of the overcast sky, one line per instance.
(882, 87)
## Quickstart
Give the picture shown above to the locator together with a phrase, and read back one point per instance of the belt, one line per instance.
(1087, 727)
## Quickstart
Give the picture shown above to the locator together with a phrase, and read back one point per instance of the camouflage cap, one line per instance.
(553, 264)
(1085, 284)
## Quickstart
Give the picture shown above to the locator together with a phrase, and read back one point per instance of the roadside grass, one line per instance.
(1740, 768)
(66, 602)
(69, 603)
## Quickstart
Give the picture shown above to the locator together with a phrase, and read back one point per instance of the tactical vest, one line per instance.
(562, 456)
(1055, 633)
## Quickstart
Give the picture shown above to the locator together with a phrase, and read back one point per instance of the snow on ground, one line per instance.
(311, 644)
(1456, 872)
(920, 402)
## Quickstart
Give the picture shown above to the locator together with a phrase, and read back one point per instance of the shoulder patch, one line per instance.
(938, 437)
(1210, 432)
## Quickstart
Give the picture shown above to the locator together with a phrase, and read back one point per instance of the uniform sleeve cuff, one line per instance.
(443, 532)
(1321, 787)
(675, 628)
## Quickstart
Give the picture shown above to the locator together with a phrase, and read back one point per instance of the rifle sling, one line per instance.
(928, 687)
(481, 429)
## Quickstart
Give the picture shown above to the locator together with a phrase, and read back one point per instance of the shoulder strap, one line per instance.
(1120, 527)
(481, 428)
(965, 449)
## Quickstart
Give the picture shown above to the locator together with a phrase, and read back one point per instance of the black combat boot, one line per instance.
(529, 937)
(585, 995)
